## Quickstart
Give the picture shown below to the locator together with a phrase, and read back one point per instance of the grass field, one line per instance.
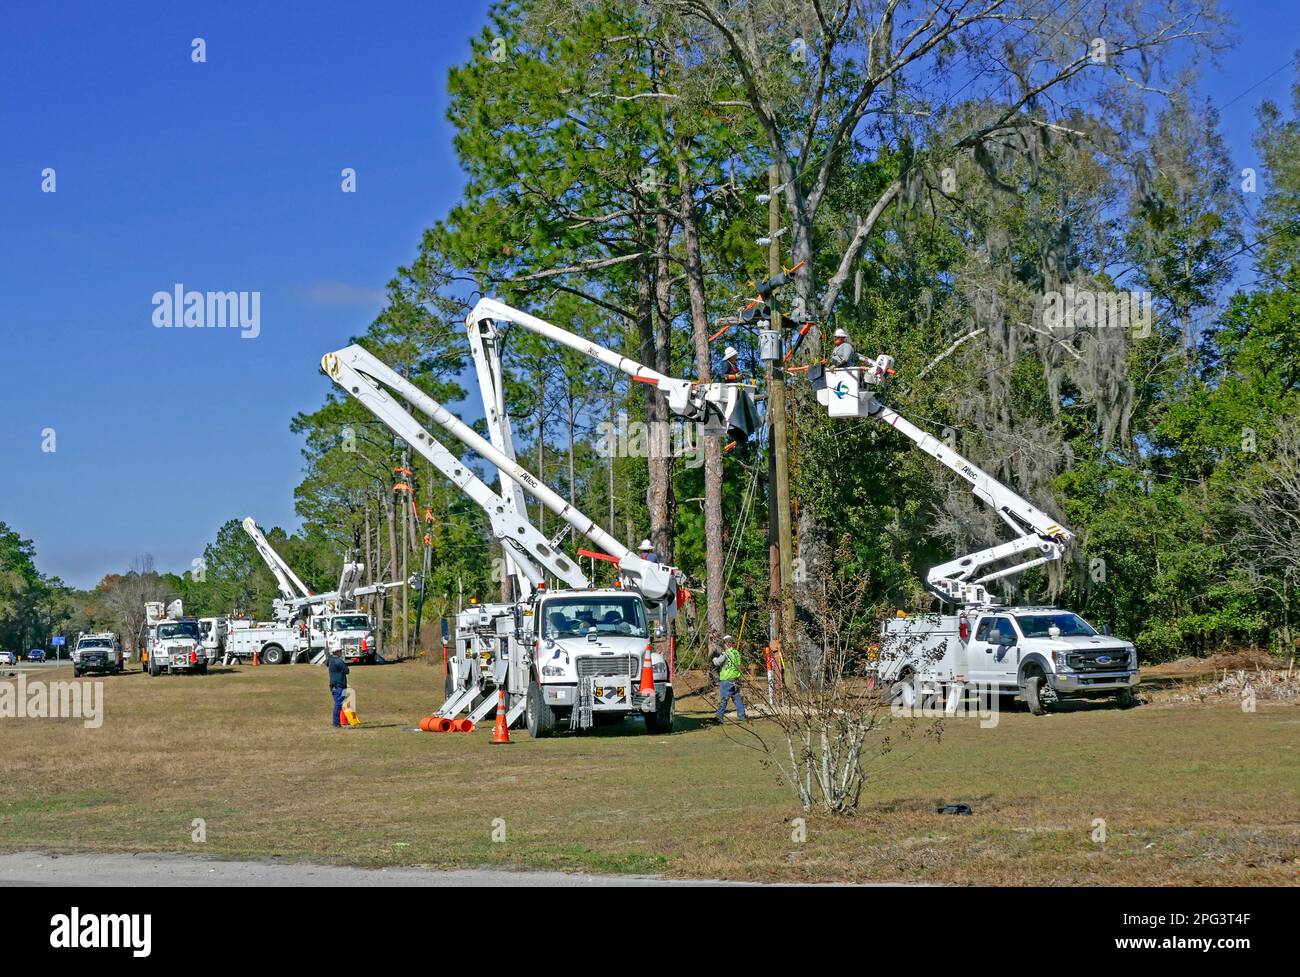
(1191, 794)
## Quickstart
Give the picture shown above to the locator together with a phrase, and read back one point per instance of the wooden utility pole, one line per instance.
(780, 548)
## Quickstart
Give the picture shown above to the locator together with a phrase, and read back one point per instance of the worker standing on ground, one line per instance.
(728, 665)
(843, 355)
(338, 683)
(647, 552)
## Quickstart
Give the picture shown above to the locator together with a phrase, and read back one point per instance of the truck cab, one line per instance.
(98, 652)
(176, 645)
(588, 651)
(213, 631)
(1039, 654)
(348, 631)
(1046, 654)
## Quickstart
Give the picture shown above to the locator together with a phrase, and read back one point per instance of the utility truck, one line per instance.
(97, 652)
(307, 624)
(563, 657)
(214, 631)
(1039, 654)
(172, 642)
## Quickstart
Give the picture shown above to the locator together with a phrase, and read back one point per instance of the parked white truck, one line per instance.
(1038, 654)
(272, 642)
(97, 652)
(571, 659)
(172, 642)
(350, 632)
(324, 622)
(563, 657)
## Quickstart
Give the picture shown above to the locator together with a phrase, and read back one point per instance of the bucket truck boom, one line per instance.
(566, 654)
(723, 408)
(291, 588)
(530, 553)
(845, 392)
(363, 375)
(1038, 654)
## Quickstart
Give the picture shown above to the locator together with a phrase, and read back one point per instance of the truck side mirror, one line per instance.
(1105, 629)
(995, 637)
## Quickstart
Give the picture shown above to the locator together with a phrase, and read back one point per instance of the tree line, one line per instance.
(1031, 210)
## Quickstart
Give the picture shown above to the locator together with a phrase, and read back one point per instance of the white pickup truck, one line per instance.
(97, 652)
(1037, 654)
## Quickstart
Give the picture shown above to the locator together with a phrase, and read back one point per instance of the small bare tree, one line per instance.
(1270, 504)
(833, 722)
(125, 597)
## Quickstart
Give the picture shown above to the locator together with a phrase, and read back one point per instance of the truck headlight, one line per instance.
(552, 671)
(659, 670)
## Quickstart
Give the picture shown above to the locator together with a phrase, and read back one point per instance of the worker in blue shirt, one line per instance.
(338, 670)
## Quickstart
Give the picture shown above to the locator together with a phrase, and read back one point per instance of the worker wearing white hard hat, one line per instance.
(843, 355)
(648, 552)
(731, 363)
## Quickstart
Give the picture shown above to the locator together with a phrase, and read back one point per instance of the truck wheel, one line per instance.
(1034, 684)
(153, 668)
(76, 672)
(661, 720)
(202, 668)
(1125, 699)
(272, 655)
(539, 716)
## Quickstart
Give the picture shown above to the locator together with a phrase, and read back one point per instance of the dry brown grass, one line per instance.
(1191, 794)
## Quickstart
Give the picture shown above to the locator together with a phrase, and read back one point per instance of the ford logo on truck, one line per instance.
(1103, 659)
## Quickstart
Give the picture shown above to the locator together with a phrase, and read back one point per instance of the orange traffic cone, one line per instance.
(647, 675)
(501, 734)
(256, 660)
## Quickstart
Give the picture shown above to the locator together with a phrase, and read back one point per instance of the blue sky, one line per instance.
(223, 175)
(226, 176)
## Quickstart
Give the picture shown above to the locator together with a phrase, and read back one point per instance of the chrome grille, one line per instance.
(1087, 661)
(590, 665)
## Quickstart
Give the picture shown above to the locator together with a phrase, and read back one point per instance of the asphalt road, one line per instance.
(42, 869)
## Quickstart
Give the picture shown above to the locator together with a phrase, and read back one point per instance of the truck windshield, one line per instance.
(1071, 625)
(94, 643)
(352, 622)
(178, 629)
(570, 617)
